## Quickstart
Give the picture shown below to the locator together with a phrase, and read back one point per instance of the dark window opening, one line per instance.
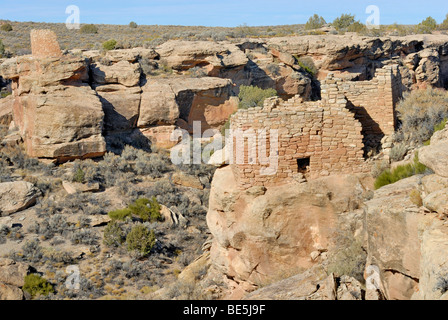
(303, 165)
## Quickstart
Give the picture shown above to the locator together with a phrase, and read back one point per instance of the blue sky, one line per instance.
(226, 13)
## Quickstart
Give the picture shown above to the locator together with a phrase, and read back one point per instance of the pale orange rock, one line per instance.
(44, 44)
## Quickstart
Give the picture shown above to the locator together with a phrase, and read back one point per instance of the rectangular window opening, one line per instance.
(303, 165)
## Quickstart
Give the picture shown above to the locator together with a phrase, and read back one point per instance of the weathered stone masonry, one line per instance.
(316, 138)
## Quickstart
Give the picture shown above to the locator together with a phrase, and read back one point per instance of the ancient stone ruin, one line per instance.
(317, 138)
(44, 44)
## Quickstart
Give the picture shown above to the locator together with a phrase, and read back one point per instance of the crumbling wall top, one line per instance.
(44, 44)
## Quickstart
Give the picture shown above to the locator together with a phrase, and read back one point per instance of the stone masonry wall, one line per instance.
(374, 101)
(325, 132)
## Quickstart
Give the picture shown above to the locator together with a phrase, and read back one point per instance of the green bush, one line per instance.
(79, 175)
(307, 64)
(251, 96)
(133, 25)
(113, 235)
(444, 24)
(110, 44)
(427, 26)
(356, 27)
(140, 240)
(2, 48)
(35, 285)
(120, 214)
(147, 210)
(315, 22)
(344, 21)
(438, 127)
(6, 27)
(399, 173)
(89, 29)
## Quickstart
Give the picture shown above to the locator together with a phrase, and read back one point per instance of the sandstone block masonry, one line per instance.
(44, 44)
(315, 138)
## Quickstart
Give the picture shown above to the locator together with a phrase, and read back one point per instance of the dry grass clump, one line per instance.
(419, 113)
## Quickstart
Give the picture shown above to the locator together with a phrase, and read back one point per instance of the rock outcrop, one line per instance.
(435, 156)
(12, 279)
(17, 196)
(261, 232)
(58, 115)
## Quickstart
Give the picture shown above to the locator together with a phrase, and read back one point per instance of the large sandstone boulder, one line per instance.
(158, 104)
(16, 196)
(184, 55)
(73, 131)
(32, 74)
(121, 106)
(192, 99)
(261, 234)
(435, 156)
(434, 262)
(13, 273)
(6, 105)
(8, 292)
(58, 115)
(122, 72)
(393, 224)
(437, 201)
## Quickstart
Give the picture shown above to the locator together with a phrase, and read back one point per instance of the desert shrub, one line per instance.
(140, 240)
(315, 22)
(2, 48)
(398, 152)
(251, 96)
(88, 29)
(343, 22)
(113, 235)
(36, 286)
(416, 197)
(274, 69)
(438, 127)
(307, 64)
(152, 164)
(7, 27)
(109, 44)
(399, 173)
(50, 226)
(356, 27)
(427, 26)
(31, 251)
(121, 214)
(444, 24)
(133, 25)
(349, 260)
(419, 113)
(4, 232)
(79, 175)
(84, 236)
(442, 284)
(147, 210)
(379, 167)
(148, 67)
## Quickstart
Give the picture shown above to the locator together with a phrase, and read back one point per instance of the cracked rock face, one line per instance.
(259, 232)
(16, 196)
